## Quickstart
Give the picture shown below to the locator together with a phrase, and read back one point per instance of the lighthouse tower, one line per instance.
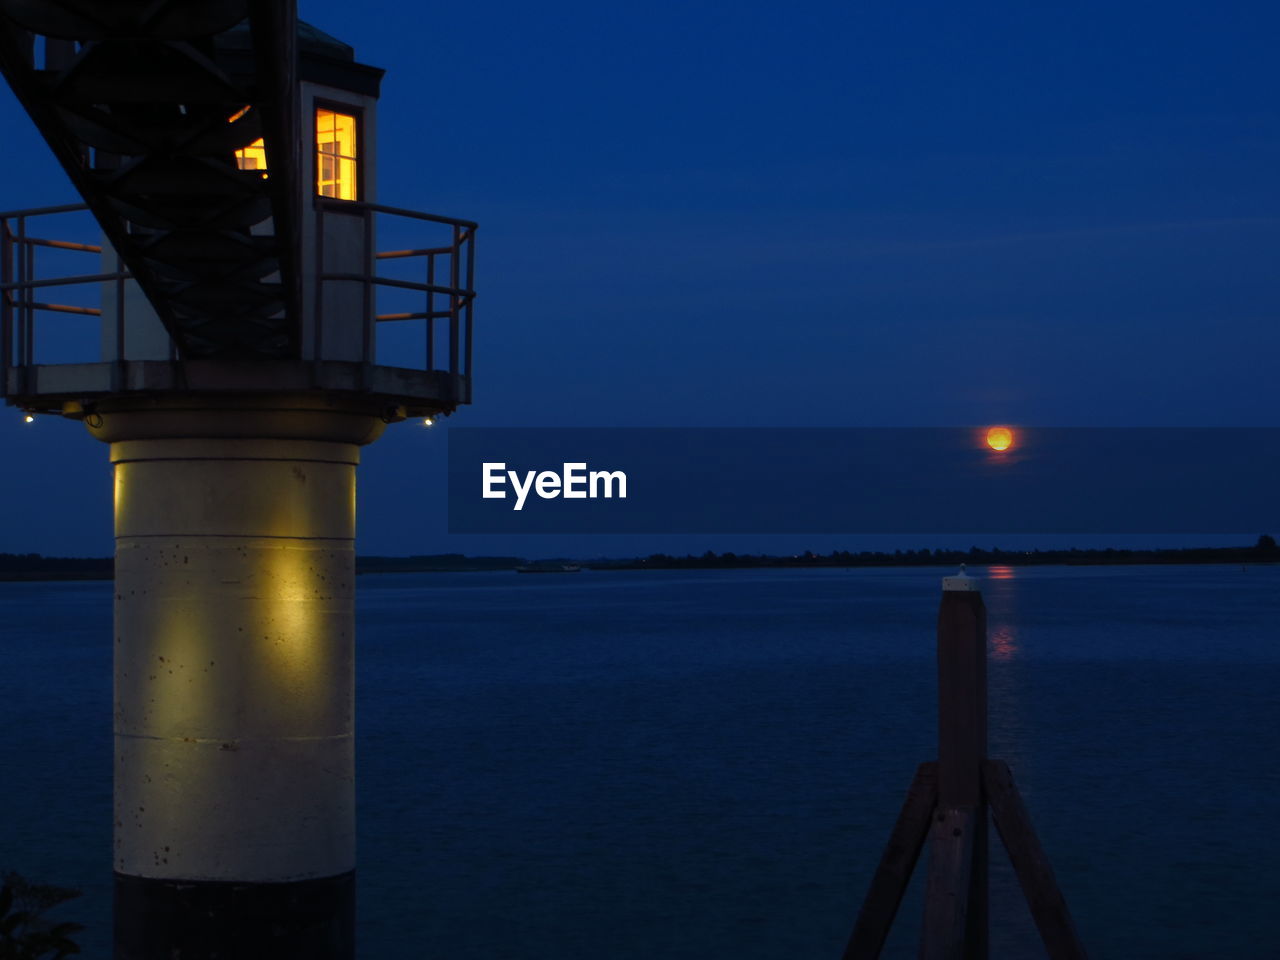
(226, 152)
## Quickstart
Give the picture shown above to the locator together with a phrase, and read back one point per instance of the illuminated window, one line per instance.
(335, 154)
(253, 157)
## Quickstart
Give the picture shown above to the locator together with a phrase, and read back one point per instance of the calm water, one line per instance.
(707, 764)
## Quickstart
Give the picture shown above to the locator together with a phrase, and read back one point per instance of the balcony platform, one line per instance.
(70, 387)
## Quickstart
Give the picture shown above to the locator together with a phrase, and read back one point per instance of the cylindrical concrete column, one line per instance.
(234, 656)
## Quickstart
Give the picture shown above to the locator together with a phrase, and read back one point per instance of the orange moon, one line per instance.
(999, 439)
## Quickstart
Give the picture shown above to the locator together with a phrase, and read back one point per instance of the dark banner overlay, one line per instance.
(865, 480)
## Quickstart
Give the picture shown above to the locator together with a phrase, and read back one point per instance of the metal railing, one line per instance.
(446, 270)
(447, 285)
(21, 281)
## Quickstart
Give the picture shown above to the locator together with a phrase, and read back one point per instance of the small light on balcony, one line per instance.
(427, 421)
(28, 419)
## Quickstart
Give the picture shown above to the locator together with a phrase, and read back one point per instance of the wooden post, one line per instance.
(948, 801)
(948, 903)
(894, 872)
(1048, 906)
(962, 748)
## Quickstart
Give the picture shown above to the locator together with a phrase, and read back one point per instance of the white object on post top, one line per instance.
(961, 582)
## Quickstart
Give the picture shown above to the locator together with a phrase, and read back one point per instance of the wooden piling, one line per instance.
(949, 903)
(896, 866)
(1039, 886)
(947, 802)
(962, 748)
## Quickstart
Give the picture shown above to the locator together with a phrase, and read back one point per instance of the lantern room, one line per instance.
(254, 256)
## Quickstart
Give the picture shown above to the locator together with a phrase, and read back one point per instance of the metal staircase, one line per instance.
(144, 103)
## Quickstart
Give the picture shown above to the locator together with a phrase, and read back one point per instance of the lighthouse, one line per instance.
(226, 153)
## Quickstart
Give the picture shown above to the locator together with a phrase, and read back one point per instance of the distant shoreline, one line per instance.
(34, 567)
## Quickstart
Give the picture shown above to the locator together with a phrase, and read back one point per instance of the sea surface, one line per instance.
(707, 764)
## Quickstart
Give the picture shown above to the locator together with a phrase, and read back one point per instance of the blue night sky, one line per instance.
(811, 214)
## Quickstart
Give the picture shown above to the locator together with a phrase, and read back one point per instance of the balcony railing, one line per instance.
(22, 281)
(447, 271)
(426, 289)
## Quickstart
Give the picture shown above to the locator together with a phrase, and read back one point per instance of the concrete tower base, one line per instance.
(234, 657)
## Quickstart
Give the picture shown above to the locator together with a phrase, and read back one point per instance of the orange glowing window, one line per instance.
(253, 157)
(336, 156)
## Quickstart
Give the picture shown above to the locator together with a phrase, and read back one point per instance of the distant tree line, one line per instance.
(436, 562)
(32, 566)
(1264, 551)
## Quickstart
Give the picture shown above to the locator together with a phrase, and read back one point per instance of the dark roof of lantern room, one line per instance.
(322, 58)
(314, 40)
